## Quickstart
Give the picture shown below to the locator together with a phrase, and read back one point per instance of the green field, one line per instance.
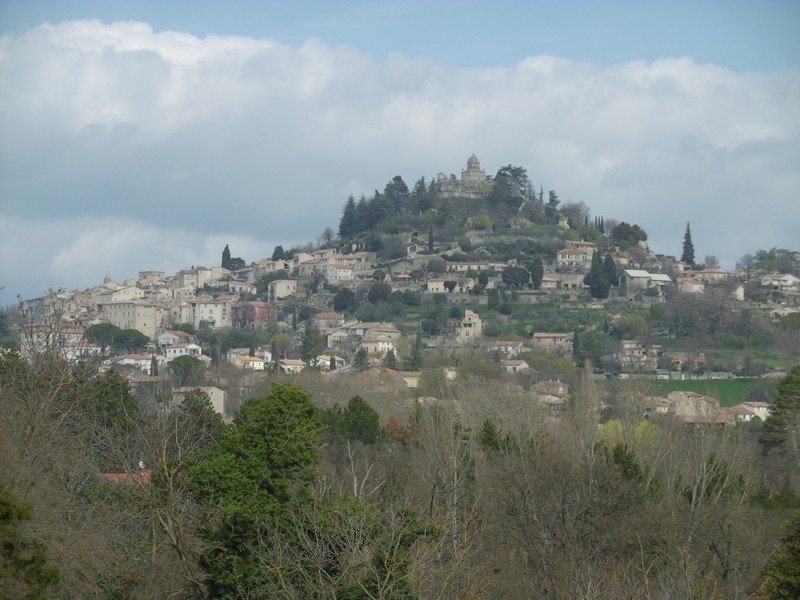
(729, 392)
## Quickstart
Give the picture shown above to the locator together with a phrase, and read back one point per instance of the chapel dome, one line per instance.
(473, 162)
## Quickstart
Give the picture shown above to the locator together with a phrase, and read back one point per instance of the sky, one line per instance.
(148, 135)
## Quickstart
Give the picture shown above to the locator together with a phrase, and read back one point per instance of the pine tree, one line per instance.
(390, 360)
(347, 224)
(688, 248)
(784, 413)
(226, 257)
(361, 360)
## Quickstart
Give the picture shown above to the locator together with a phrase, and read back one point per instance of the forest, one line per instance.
(350, 489)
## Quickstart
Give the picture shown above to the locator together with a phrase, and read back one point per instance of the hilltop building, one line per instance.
(473, 182)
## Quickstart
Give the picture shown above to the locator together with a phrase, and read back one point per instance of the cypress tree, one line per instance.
(610, 268)
(688, 248)
(597, 279)
(226, 257)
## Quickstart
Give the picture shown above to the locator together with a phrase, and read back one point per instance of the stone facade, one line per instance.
(473, 182)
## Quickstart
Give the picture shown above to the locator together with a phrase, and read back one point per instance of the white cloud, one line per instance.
(123, 134)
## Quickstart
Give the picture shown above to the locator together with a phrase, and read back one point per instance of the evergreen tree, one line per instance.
(279, 253)
(536, 268)
(576, 345)
(597, 279)
(610, 268)
(784, 413)
(688, 248)
(414, 362)
(313, 344)
(226, 257)
(348, 223)
(362, 216)
(390, 360)
(361, 360)
(257, 477)
(782, 574)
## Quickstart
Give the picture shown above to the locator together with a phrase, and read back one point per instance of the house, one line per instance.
(783, 282)
(509, 349)
(171, 337)
(241, 287)
(145, 317)
(281, 288)
(204, 311)
(378, 346)
(329, 320)
(253, 314)
(696, 409)
(570, 259)
(552, 342)
(338, 273)
(175, 350)
(747, 411)
(514, 365)
(634, 281)
(291, 365)
(323, 361)
(218, 397)
(253, 363)
(435, 286)
(468, 329)
(549, 283)
(690, 285)
(638, 355)
(711, 275)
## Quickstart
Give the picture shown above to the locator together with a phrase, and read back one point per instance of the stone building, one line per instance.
(473, 182)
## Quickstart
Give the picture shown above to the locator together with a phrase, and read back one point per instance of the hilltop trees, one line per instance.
(627, 235)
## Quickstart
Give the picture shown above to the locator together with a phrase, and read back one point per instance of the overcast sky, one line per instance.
(147, 135)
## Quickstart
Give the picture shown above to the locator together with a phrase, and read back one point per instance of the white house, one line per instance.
(176, 350)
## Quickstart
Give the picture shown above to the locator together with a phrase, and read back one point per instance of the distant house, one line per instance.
(281, 288)
(574, 258)
(690, 285)
(324, 362)
(515, 366)
(552, 342)
(176, 350)
(634, 281)
(508, 349)
(747, 411)
(696, 409)
(218, 397)
(169, 338)
(783, 282)
(379, 346)
(291, 365)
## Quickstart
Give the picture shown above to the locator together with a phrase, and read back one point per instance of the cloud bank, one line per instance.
(123, 149)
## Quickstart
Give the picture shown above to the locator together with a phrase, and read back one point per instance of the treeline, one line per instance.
(477, 494)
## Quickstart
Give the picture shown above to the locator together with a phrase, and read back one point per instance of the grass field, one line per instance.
(729, 392)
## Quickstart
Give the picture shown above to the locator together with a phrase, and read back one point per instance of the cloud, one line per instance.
(118, 134)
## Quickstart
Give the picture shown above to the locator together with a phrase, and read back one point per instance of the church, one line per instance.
(473, 182)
